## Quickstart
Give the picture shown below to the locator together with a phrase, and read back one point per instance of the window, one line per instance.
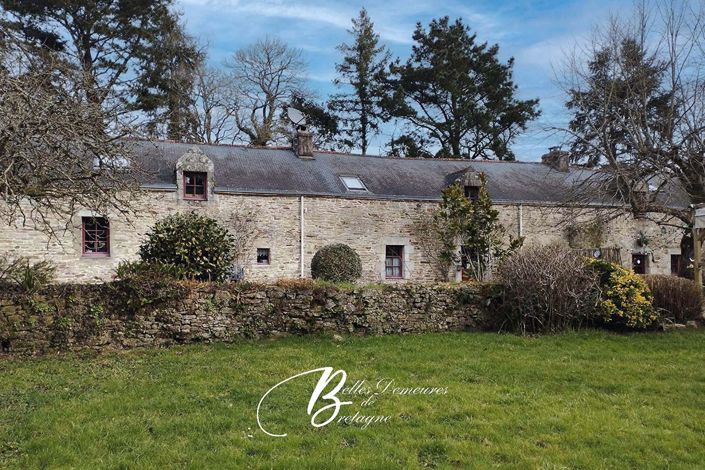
(262, 255)
(472, 193)
(353, 183)
(639, 263)
(393, 262)
(677, 265)
(95, 236)
(195, 185)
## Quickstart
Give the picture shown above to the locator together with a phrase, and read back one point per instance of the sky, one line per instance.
(537, 33)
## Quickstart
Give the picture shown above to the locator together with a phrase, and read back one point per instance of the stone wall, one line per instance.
(116, 316)
(367, 225)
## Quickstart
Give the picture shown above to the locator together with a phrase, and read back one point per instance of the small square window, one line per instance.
(393, 263)
(95, 233)
(195, 185)
(262, 255)
(353, 183)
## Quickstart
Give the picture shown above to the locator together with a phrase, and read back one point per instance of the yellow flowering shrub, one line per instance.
(625, 299)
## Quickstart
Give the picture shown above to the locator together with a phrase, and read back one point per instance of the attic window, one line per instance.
(472, 193)
(353, 183)
(195, 184)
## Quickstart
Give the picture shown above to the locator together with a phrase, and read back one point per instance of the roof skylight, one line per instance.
(353, 183)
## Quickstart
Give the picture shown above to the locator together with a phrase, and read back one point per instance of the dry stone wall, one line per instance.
(114, 316)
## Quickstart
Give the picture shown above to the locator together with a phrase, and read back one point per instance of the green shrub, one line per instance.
(625, 300)
(678, 298)
(336, 263)
(128, 269)
(29, 277)
(198, 246)
(545, 289)
(140, 284)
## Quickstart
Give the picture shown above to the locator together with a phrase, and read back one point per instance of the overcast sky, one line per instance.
(535, 32)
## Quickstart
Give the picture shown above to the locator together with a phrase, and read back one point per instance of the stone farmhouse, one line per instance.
(305, 199)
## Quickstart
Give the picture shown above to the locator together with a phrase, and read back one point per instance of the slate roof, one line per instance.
(240, 169)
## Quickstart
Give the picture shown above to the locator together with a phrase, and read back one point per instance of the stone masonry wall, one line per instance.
(110, 316)
(367, 225)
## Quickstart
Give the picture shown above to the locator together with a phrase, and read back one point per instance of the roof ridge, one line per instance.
(205, 144)
(432, 159)
(333, 152)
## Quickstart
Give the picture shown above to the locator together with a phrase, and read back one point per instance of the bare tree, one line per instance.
(55, 155)
(214, 109)
(637, 93)
(265, 75)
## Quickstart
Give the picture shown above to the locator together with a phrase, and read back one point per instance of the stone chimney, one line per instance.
(303, 143)
(556, 159)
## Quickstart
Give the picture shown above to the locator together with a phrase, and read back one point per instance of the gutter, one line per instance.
(380, 197)
(301, 231)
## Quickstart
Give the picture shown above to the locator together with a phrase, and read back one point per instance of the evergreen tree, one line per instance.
(472, 225)
(166, 91)
(408, 146)
(458, 94)
(362, 71)
(116, 45)
(320, 121)
(623, 91)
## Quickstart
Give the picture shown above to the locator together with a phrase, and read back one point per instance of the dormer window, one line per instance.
(472, 193)
(353, 183)
(195, 185)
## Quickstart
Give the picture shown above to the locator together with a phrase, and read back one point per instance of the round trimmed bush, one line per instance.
(197, 246)
(337, 263)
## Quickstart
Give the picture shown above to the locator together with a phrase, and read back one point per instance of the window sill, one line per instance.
(95, 255)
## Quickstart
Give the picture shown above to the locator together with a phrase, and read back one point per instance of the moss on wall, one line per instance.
(119, 315)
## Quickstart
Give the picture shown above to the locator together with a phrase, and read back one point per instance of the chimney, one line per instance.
(303, 143)
(557, 159)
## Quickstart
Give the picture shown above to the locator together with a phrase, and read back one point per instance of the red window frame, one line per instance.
(195, 175)
(95, 236)
(394, 262)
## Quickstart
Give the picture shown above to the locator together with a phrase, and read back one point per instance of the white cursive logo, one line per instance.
(327, 376)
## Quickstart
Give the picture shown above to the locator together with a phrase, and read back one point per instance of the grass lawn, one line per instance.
(578, 400)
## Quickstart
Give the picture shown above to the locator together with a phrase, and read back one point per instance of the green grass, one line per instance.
(578, 400)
